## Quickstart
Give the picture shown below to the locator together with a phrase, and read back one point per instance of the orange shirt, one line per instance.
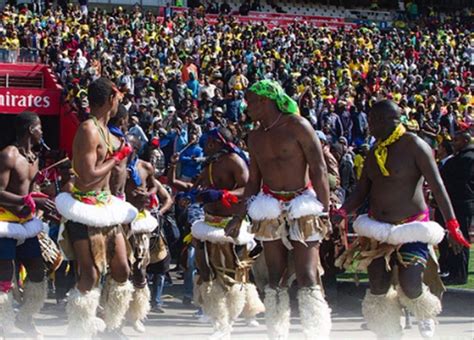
(187, 69)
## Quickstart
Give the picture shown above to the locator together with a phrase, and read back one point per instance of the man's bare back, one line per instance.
(118, 176)
(398, 196)
(146, 172)
(228, 172)
(90, 149)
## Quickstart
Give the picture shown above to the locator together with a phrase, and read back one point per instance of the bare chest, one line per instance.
(23, 174)
(276, 146)
(400, 163)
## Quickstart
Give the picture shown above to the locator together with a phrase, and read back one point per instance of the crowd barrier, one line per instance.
(21, 55)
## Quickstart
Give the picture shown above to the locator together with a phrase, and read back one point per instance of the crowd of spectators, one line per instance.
(182, 76)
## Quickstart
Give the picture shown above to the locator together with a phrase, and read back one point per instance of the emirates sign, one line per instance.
(41, 101)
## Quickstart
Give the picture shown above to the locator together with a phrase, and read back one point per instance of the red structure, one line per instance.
(34, 87)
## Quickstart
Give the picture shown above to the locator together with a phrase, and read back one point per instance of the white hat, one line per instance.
(171, 109)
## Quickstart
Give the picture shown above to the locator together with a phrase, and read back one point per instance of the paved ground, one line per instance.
(455, 323)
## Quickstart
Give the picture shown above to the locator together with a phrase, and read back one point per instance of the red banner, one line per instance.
(40, 101)
(289, 16)
(280, 19)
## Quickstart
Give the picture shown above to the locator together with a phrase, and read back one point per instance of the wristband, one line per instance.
(228, 199)
(29, 201)
(453, 228)
(452, 224)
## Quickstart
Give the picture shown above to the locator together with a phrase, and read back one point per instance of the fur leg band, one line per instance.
(116, 300)
(382, 313)
(315, 314)
(277, 313)
(81, 311)
(34, 296)
(7, 314)
(253, 304)
(426, 306)
(140, 304)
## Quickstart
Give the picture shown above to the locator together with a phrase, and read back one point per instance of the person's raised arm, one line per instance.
(314, 156)
(85, 161)
(172, 180)
(427, 165)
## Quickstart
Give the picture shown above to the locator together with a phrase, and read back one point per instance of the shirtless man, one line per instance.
(141, 190)
(19, 227)
(398, 223)
(286, 162)
(223, 286)
(94, 219)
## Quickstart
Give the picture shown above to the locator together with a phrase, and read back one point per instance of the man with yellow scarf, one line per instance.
(397, 229)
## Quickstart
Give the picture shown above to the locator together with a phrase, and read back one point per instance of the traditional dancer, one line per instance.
(19, 227)
(94, 219)
(398, 225)
(223, 289)
(285, 155)
(141, 191)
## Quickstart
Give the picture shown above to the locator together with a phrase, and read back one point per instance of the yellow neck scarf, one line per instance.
(381, 151)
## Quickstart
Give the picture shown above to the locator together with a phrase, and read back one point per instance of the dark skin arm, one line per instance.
(173, 181)
(317, 166)
(7, 163)
(427, 165)
(165, 198)
(8, 158)
(251, 188)
(85, 163)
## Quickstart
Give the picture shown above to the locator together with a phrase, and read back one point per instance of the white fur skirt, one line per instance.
(114, 213)
(427, 232)
(204, 232)
(266, 207)
(21, 232)
(144, 223)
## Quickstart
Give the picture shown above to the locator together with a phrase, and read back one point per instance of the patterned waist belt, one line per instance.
(284, 196)
(7, 216)
(217, 221)
(92, 197)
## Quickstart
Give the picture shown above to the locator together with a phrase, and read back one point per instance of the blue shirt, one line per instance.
(233, 109)
(179, 142)
(189, 167)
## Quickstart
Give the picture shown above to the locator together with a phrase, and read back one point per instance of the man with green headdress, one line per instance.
(286, 161)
